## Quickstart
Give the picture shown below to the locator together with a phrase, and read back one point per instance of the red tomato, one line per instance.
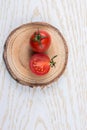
(40, 41)
(40, 64)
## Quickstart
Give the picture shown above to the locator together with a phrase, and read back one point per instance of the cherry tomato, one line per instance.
(40, 64)
(40, 41)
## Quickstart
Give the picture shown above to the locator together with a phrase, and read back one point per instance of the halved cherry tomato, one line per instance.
(40, 41)
(40, 64)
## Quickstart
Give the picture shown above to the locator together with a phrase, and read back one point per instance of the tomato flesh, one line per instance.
(44, 42)
(39, 64)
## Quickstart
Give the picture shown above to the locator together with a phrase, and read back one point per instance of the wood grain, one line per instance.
(17, 53)
(63, 104)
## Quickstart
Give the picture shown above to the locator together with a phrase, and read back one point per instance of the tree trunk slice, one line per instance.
(17, 53)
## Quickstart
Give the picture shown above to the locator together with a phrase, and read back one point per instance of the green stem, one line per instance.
(52, 63)
(38, 37)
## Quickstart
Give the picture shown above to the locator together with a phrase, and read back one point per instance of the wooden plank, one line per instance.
(62, 105)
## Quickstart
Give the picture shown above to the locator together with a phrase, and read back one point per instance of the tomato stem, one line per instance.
(38, 37)
(52, 62)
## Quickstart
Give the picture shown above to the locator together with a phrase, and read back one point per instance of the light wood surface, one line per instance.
(62, 105)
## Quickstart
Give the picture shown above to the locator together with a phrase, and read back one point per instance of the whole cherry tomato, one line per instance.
(40, 41)
(40, 64)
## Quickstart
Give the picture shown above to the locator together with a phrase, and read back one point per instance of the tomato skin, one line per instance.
(45, 42)
(39, 64)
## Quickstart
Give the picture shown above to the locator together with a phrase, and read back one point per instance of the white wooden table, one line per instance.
(63, 104)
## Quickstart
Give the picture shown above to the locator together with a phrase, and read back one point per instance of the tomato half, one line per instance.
(39, 64)
(40, 41)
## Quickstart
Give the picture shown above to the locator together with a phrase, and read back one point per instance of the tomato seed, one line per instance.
(34, 65)
(36, 68)
(34, 62)
(42, 69)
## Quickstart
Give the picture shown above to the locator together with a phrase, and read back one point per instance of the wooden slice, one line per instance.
(17, 53)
